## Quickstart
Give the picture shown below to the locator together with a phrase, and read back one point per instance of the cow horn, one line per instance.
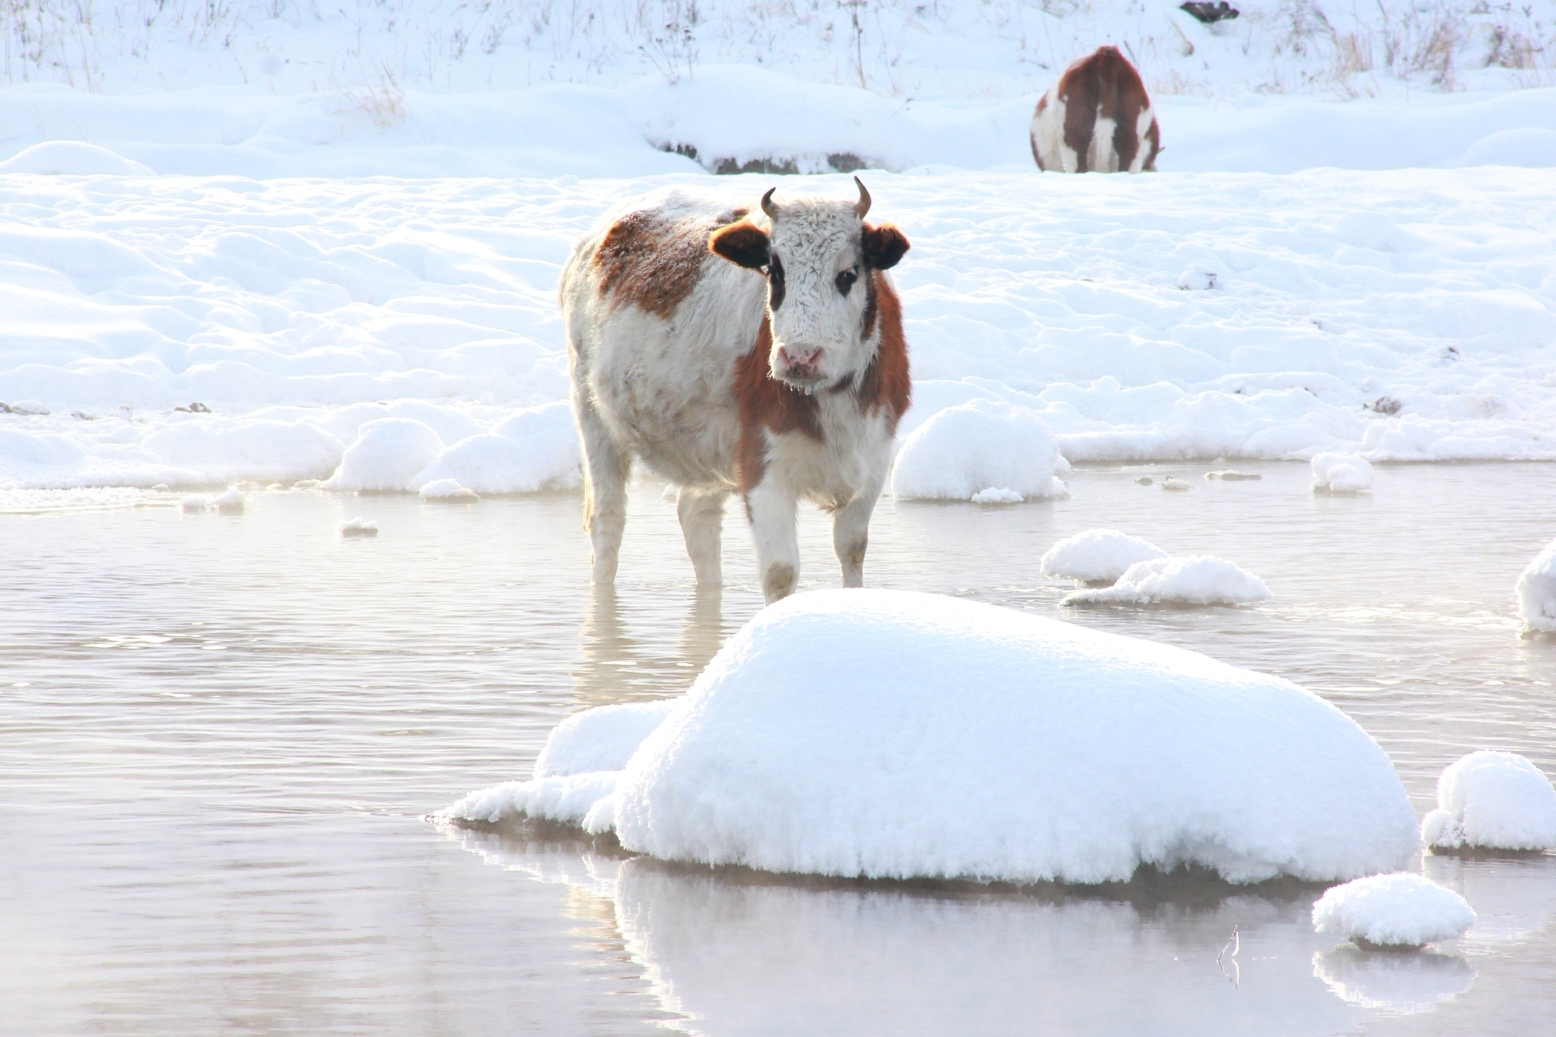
(767, 204)
(862, 206)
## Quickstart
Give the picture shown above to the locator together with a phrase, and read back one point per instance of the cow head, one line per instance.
(819, 256)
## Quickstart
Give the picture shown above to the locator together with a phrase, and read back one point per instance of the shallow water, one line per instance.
(219, 736)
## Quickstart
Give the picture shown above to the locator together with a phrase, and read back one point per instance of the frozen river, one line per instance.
(220, 736)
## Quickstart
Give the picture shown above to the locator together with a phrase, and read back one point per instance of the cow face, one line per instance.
(819, 257)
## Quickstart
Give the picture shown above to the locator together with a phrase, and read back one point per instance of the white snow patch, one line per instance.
(387, 455)
(358, 527)
(1536, 591)
(73, 157)
(975, 446)
(194, 502)
(1097, 555)
(535, 449)
(600, 739)
(1492, 800)
(997, 495)
(1401, 910)
(890, 734)
(1174, 580)
(448, 490)
(229, 502)
(1341, 473)
(1196, 278)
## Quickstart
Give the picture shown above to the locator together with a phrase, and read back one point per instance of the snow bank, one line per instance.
(1492, 800)
(1393, 910)
(1189, 580)
(1536, 590)
(536, 449)
(388, 455)
(882, 734)
(1097, 555)
(357, 527)
(985, 444)
(1341, 473)
(54, 157)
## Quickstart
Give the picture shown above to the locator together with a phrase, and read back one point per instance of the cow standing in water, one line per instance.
(1097, 118)
(780, 387)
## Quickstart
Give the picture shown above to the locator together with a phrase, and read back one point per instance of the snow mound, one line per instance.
(230, 502)
(1176, 485)
(71, 157)
(600, 739)
(1492, 800)
(1097, 555)
(1536, 592)
(997, 495)
(976, 446)
(194, 502)
(357, 527)
(387, 455)
(1186, 580)
(1232, 475)
(1401, 984)
(448, 490)
(891, 734)
(536, 449)
(1341, 473)
(1400, 910)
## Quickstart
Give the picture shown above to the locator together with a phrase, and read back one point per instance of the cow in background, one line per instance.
(1096, 119)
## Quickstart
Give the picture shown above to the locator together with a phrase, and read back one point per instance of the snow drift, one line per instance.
(966, 450)
(884, 734)
(1536, 591)
(1097, 555)
(1393, 910)
(1189, 580)
(1492, 800)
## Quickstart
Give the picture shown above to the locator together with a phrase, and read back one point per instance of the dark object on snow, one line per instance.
(194, 408)
(1207, 12)
(1386, 405)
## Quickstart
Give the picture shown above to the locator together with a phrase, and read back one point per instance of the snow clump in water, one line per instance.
(448, 490)
(194, 502)
(357, 527)
(1097, 555)
(890, 734)
(1187, 580)
(1536, 592)
(1492, 800)
(1341, 473)
(1400, 910)
(229, 503)
(976, 446)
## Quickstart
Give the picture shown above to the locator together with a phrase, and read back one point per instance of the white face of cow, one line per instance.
(818, 256)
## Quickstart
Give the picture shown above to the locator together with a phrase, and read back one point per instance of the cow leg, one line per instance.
(777, 540)
(606, 468)
(702, 525)
(851, 533)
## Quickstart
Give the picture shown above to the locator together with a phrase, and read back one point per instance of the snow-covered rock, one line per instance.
(448, 490)
(1492, 800)
(1402, 910)
(358, 527)
(1097, 555)
(387, 455)
(229, 502)
(976, 446)
(1187, 580)
(875, 733)
(1536, 591)
(535, 449)
(1341, 473)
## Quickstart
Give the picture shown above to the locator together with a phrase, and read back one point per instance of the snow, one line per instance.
(997, 495)
(895, 734)
(1341, 473)
(357, 527)
(1097, 555)
(1173, 580)
(535, 449)
(448, 490)
(70, 157)
(1393, 910)
(1536, 591)
(194, 502)
(600, 739)
(1492, 800)
(968, 449)
(387, 455)
(229, 502)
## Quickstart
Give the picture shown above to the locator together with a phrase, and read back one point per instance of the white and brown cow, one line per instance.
(1097, 118)
(780, 387)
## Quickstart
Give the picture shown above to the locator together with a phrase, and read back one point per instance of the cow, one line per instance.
(733, 351)
(1097, 118)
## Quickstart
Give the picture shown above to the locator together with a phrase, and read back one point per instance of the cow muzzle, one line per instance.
(800, 366)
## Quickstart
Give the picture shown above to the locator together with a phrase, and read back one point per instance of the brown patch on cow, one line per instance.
(653, 262)
(886, 383)
(1104, 85)
(743, 244)
(766, 405)
(882, 246)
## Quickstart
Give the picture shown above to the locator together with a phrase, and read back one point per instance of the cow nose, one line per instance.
(799, 356)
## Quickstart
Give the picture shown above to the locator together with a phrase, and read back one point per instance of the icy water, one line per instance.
(220, 736)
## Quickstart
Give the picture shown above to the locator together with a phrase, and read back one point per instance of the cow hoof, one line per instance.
(778, 581)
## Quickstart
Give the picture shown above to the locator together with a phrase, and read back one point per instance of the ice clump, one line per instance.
(229, 503)
(448, 490)
(1097, 555)
(1536, 592)
(535, 449)
(1186, 580)
(387, 455)
(1341, 473)
(1492, 800)
(976, 446)
(357, 527)
(1400, 910)
(894, 734)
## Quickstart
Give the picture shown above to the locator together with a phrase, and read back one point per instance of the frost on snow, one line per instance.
(971, 448)
(1393, 910)
(1536, 592)
(1492, 800)
(1188, 580)
(358, 527)
(1097, 555)
(889, 734)
(1341, 473)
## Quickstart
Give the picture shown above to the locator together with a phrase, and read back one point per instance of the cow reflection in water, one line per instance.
(615, 665)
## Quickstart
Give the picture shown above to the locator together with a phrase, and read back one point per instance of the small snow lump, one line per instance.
(1536, 591)
(1341, 473)
(1188, 580)
(1495, 801)
(229, 503)
(1399, 910)
(967, 449)
(448, 490)
(357, 527)
(1097, 555)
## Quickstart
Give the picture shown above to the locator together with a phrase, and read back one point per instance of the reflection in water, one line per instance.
(1400, 982)
(617, 666)
(1514, 895)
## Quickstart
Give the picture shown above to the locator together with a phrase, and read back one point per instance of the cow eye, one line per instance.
(846, 279)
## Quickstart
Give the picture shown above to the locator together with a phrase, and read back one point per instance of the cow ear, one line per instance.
(743, 244)
(883, 246)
